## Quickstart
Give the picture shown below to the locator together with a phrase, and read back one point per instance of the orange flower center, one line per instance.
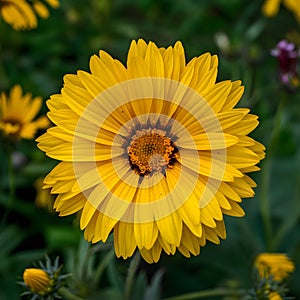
(151, 151)
(10, 127)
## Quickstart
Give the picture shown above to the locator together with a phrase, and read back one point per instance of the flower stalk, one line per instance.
(130, 277)
(209, 293)
(66, 294)
(266, 172)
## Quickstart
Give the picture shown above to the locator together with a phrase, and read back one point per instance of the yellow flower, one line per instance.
(44, 282)
(154, 151)
(293, 6)
(17, 112)
(277, 265)
(270, 8)
(275, 296)
(37, 280)
(43, 197)
(41, 9)
(20, 14)
(53, 3)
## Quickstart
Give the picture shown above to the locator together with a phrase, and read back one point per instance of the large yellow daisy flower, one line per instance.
(21, 14)
(154, 151)
(17, 112)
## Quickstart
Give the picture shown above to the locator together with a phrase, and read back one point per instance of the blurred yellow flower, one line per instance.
(20, 14)
(43, 197)
(53, 3)
(277, 265)
(155, 151)
(17, 112)
(275, 296)
(37, 280)
(41, 9)
(270, 8)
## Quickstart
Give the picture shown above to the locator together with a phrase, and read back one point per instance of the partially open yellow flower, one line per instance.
(37, 280)
(154, 151)
(20, 14)
(17, 112)
(270, 8)
(44, 282)
(277, 265)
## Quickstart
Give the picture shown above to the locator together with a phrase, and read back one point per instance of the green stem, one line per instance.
(130, 277)
(290, 222)
(66, 294)
(209, 293)
(266, 172)
(104, 263)
(83, 258)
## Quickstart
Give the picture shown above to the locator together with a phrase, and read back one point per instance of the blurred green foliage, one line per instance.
(62, 44)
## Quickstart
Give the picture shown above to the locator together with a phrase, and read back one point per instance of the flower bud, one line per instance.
(37, 280)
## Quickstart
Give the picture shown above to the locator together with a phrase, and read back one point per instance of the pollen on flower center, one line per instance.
(151, 151)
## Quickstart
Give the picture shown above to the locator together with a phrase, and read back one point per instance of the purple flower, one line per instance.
(287, 55)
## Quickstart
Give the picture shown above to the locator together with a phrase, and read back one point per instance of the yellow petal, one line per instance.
(211, 235)
(234, 96)
(190, 243)
(70, 206)
(167, 247)
(145, 234)
(138, 48)
(179, 60)
(170, 228)
(270, 8)
(245, 126)
(241, 157)
(190, 214)
(124, 240)
(153, 254)
(108, 70)
(41, 9)
(19, 15)
(90, 233)
(154, 61)
(217, 95)
(229, 192)
(235, 211)
(241, 186)
(210, 213)
(207, 141)
(87, 214)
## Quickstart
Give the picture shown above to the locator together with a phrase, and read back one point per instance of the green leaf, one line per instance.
(106, 294)
(140, 285)
(10, 237)
(153, 292)
(114, 276)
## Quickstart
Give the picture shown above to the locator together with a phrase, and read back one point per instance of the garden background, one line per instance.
(242, 37)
